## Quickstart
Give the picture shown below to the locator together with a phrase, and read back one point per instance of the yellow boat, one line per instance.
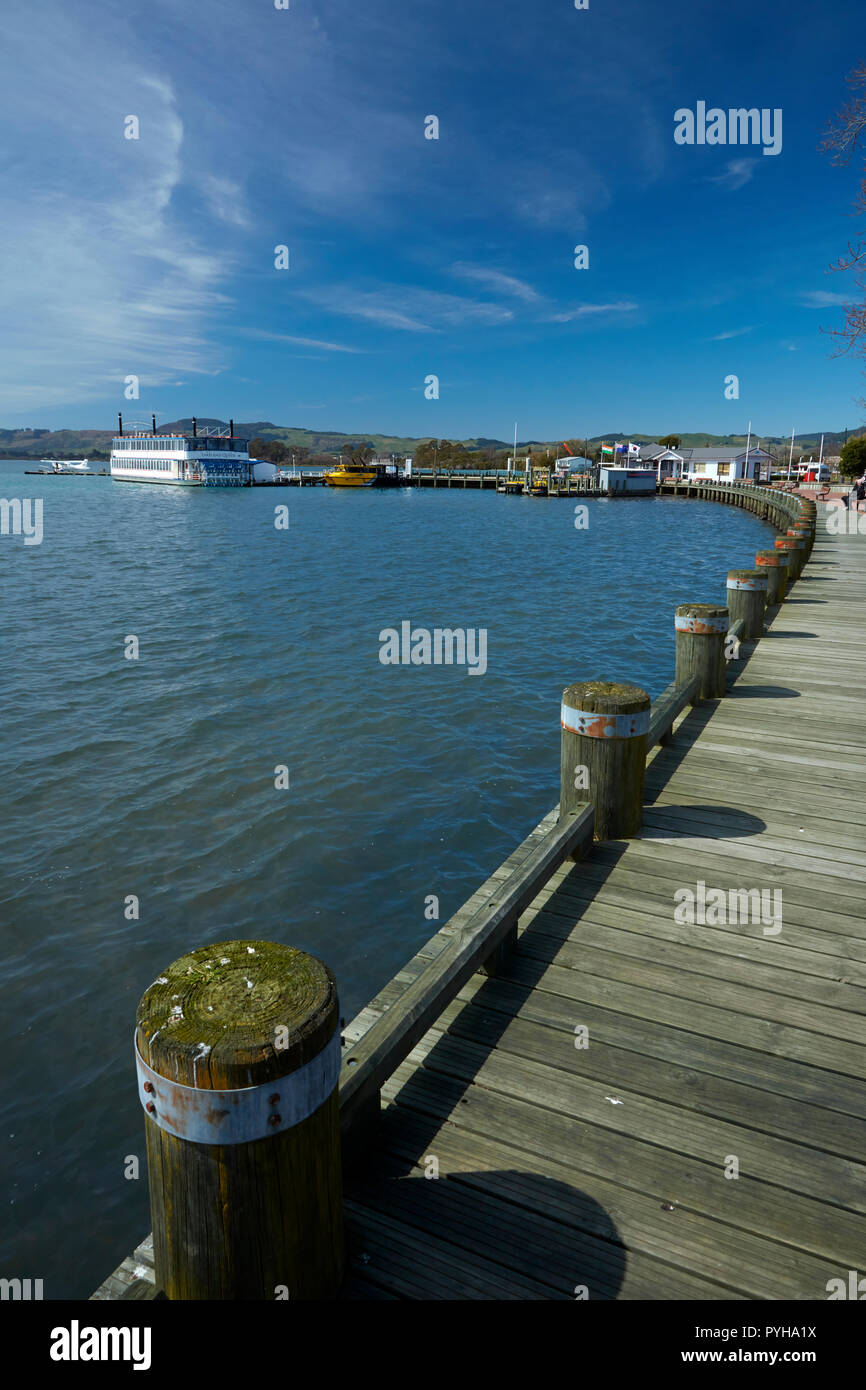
(351, 475)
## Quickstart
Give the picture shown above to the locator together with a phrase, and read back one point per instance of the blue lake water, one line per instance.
(259, 648)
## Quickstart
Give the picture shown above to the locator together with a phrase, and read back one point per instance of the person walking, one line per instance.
(860, 488)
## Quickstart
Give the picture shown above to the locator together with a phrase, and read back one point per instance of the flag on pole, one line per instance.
(607, 448)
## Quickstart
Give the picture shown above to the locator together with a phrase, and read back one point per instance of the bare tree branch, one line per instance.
(844, 136)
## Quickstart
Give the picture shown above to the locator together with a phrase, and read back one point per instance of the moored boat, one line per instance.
(209, 459)
(351, 475)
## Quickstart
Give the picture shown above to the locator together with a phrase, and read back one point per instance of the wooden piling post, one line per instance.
(789, 545)
(799, 550)
(747, 598)
(700, 637)
(775, 562)
(603, 751)
(238, 1057)
(805, 528)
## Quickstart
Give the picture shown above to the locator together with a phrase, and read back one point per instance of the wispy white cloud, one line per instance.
(225, 199)
(108, 282)
(496, 280)
(736, 174)
(407, 308)
(731, 333)
(586, 310)
(265, 336)
(823, 299)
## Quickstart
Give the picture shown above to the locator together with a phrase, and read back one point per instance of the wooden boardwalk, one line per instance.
(709, 1141)
(603, 1168)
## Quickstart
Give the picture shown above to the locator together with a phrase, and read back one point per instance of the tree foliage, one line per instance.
(441, 453)
(277, 451)
(853, 458)
(357, 453)
(669, 441)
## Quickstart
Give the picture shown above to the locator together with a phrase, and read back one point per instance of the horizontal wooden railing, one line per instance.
(476, 936)
(667, 707)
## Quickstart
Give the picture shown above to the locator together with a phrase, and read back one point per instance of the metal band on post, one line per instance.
(593, 725)
(701, 627)
(749, 585)
(244, 1115)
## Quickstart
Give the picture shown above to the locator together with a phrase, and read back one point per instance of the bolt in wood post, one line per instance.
(700, 636)
(238, 1057)
(604, 734)
(747, 598)
(775, 562)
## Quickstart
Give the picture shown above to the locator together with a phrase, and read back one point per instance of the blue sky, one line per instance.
(411, 257)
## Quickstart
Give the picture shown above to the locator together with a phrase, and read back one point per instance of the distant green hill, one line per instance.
(96, 443)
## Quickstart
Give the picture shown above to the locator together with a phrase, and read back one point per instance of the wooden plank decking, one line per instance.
(603, 1168)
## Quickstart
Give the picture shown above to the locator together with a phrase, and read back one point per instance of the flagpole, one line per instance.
(748, 451)
(791, 456)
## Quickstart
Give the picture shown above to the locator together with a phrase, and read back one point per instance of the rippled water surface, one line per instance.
(259, 647)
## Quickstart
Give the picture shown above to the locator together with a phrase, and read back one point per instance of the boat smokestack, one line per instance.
(119, 423)
(194, 435)
(231, 429)
(153, 419)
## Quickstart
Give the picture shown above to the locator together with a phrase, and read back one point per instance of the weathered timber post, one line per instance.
(775, 562)
(788, 545)
(800, 549)
(603, 750)
(238, 1056)
(700, 637)
(805, 528)
(747, 597)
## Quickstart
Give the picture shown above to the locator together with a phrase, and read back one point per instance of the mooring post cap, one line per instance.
(236, 1014)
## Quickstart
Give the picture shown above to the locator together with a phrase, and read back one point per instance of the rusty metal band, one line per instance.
(593, 725)
(244, 1115)
(773, 562)
(702, 627)
(753, 586)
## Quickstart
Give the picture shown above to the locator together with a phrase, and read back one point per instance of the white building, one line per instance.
(721, 464)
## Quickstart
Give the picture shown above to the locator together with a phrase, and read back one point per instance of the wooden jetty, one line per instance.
(575, 1091)
(499, 480)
